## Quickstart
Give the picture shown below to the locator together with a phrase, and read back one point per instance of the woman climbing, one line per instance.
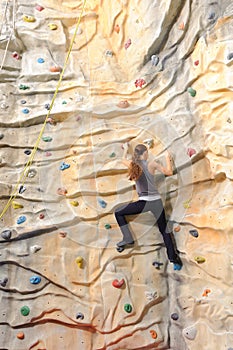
(142, 172)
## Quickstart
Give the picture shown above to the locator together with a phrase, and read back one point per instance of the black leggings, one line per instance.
(141, 206)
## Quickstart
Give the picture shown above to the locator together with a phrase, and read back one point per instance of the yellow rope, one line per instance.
(23, 176)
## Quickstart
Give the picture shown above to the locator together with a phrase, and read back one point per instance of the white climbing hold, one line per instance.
(151, 295)
(190, 332)
(111, 267)
(35, 248)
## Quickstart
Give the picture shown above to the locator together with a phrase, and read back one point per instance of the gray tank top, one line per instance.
(145, 185)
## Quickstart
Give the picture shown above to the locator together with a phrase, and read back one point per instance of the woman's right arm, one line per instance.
(124, 160)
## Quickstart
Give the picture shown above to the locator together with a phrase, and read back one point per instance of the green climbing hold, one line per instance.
(112, 155)
(107, 226)
(47, 138)
(23, 87)
(128, 308)
(192, 91)
(25, 311)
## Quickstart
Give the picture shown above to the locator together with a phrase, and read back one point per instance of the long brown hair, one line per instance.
(135, 171)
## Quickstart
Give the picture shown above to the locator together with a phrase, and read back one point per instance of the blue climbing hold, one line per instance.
(25, 110)
(64, 166)
(40, 60)
(102, 203)
(194, 233)
(35, 279)
(177, 267)
(21, 219)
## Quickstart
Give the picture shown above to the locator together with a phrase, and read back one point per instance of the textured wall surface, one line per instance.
(139, 70)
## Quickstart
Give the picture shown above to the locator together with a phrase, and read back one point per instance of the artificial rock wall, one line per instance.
(158, 72)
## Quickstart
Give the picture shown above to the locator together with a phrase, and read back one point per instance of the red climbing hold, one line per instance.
(128, 43)
(191, 152)
(16, 55)
(39, 8)
(196, 62)
(41, 216)
(118, 284)
(140, 83)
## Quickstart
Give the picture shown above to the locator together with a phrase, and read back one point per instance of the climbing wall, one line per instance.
(77, 80)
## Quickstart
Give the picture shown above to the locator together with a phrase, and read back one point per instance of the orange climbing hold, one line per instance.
(206, 292)
(117, 28)
(20, 335)
(153, 334)
(177, 228)
(55, 69)
(123, 104)
(181, 26)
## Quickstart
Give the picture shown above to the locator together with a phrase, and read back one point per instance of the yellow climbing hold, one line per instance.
(52, 26)
(186, 204)
(79, 261)
(16, 205)
(27, 18)
(74, 203)
(199, 259)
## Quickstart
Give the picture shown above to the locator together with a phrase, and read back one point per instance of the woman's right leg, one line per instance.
(128, 209)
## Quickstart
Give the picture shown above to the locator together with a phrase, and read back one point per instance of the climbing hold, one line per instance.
(181, 26)
(128, 43)
(35, 248)
(64, 166)
(62, 191)
(64, 102)
(149, 142)
(21, 219)
(123, 104)
(62, 234)
(6, 234)
(190, 332)
(153, 334)
(23, 87)
(128, 308)
(47, 138)
(47, 106)
(117, 28)
(157, 264)
(27, 152)
(20, 335)
(199, 259)
(40, 60)
(23, 102)
(230, 56)
(191, 91)
(16, 205)
(108, 53)
(35, 279)
(112, 155)
(151, 295)
(4, 105)
(25, 110)
(194, 233)
(177, 228)
(229, 120)
(174, 316)
(80, 316)
(55, 69)
(191, 152)
(25, 311)
(16, 55)
(211, 16)
(51, 120)
(27, 18)
(196, 63)
(118, 284)
(22, 189)
(1, 136)
(41, 216)
(177, 267)
(74, 203)
(102, 203)
(52, 26)
(186, 204)
(107, 226)
(48, 154)
(206, 292)
(39, 8)
(78, 118)
(31, 173)
(3, 282)
(154, 60)
(140, 83)
(79, 261)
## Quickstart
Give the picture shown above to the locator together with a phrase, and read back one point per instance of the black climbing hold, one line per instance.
(22, 189)
(27, 152)
(23, 102)
(194, 233)
(211, 16)
(3, 282)
(157, 264)
(1, 136)
(6, 234)
(47, 106)
(230, 56)
(174, 316)
(79, 316)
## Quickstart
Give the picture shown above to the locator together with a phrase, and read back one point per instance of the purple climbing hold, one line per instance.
(25, 110)
(64, 166)
(27, 152)
(194, 233)
(35, 279)
(3, 282)
(40, 60)
(102, 203)
(47, 106)
(174, 316)
(22, 189)
(21, 219)
(211, 16)
(80, 316)
(230, 56)
(6, 234)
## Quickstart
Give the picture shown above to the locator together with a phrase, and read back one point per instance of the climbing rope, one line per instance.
(24, 173)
